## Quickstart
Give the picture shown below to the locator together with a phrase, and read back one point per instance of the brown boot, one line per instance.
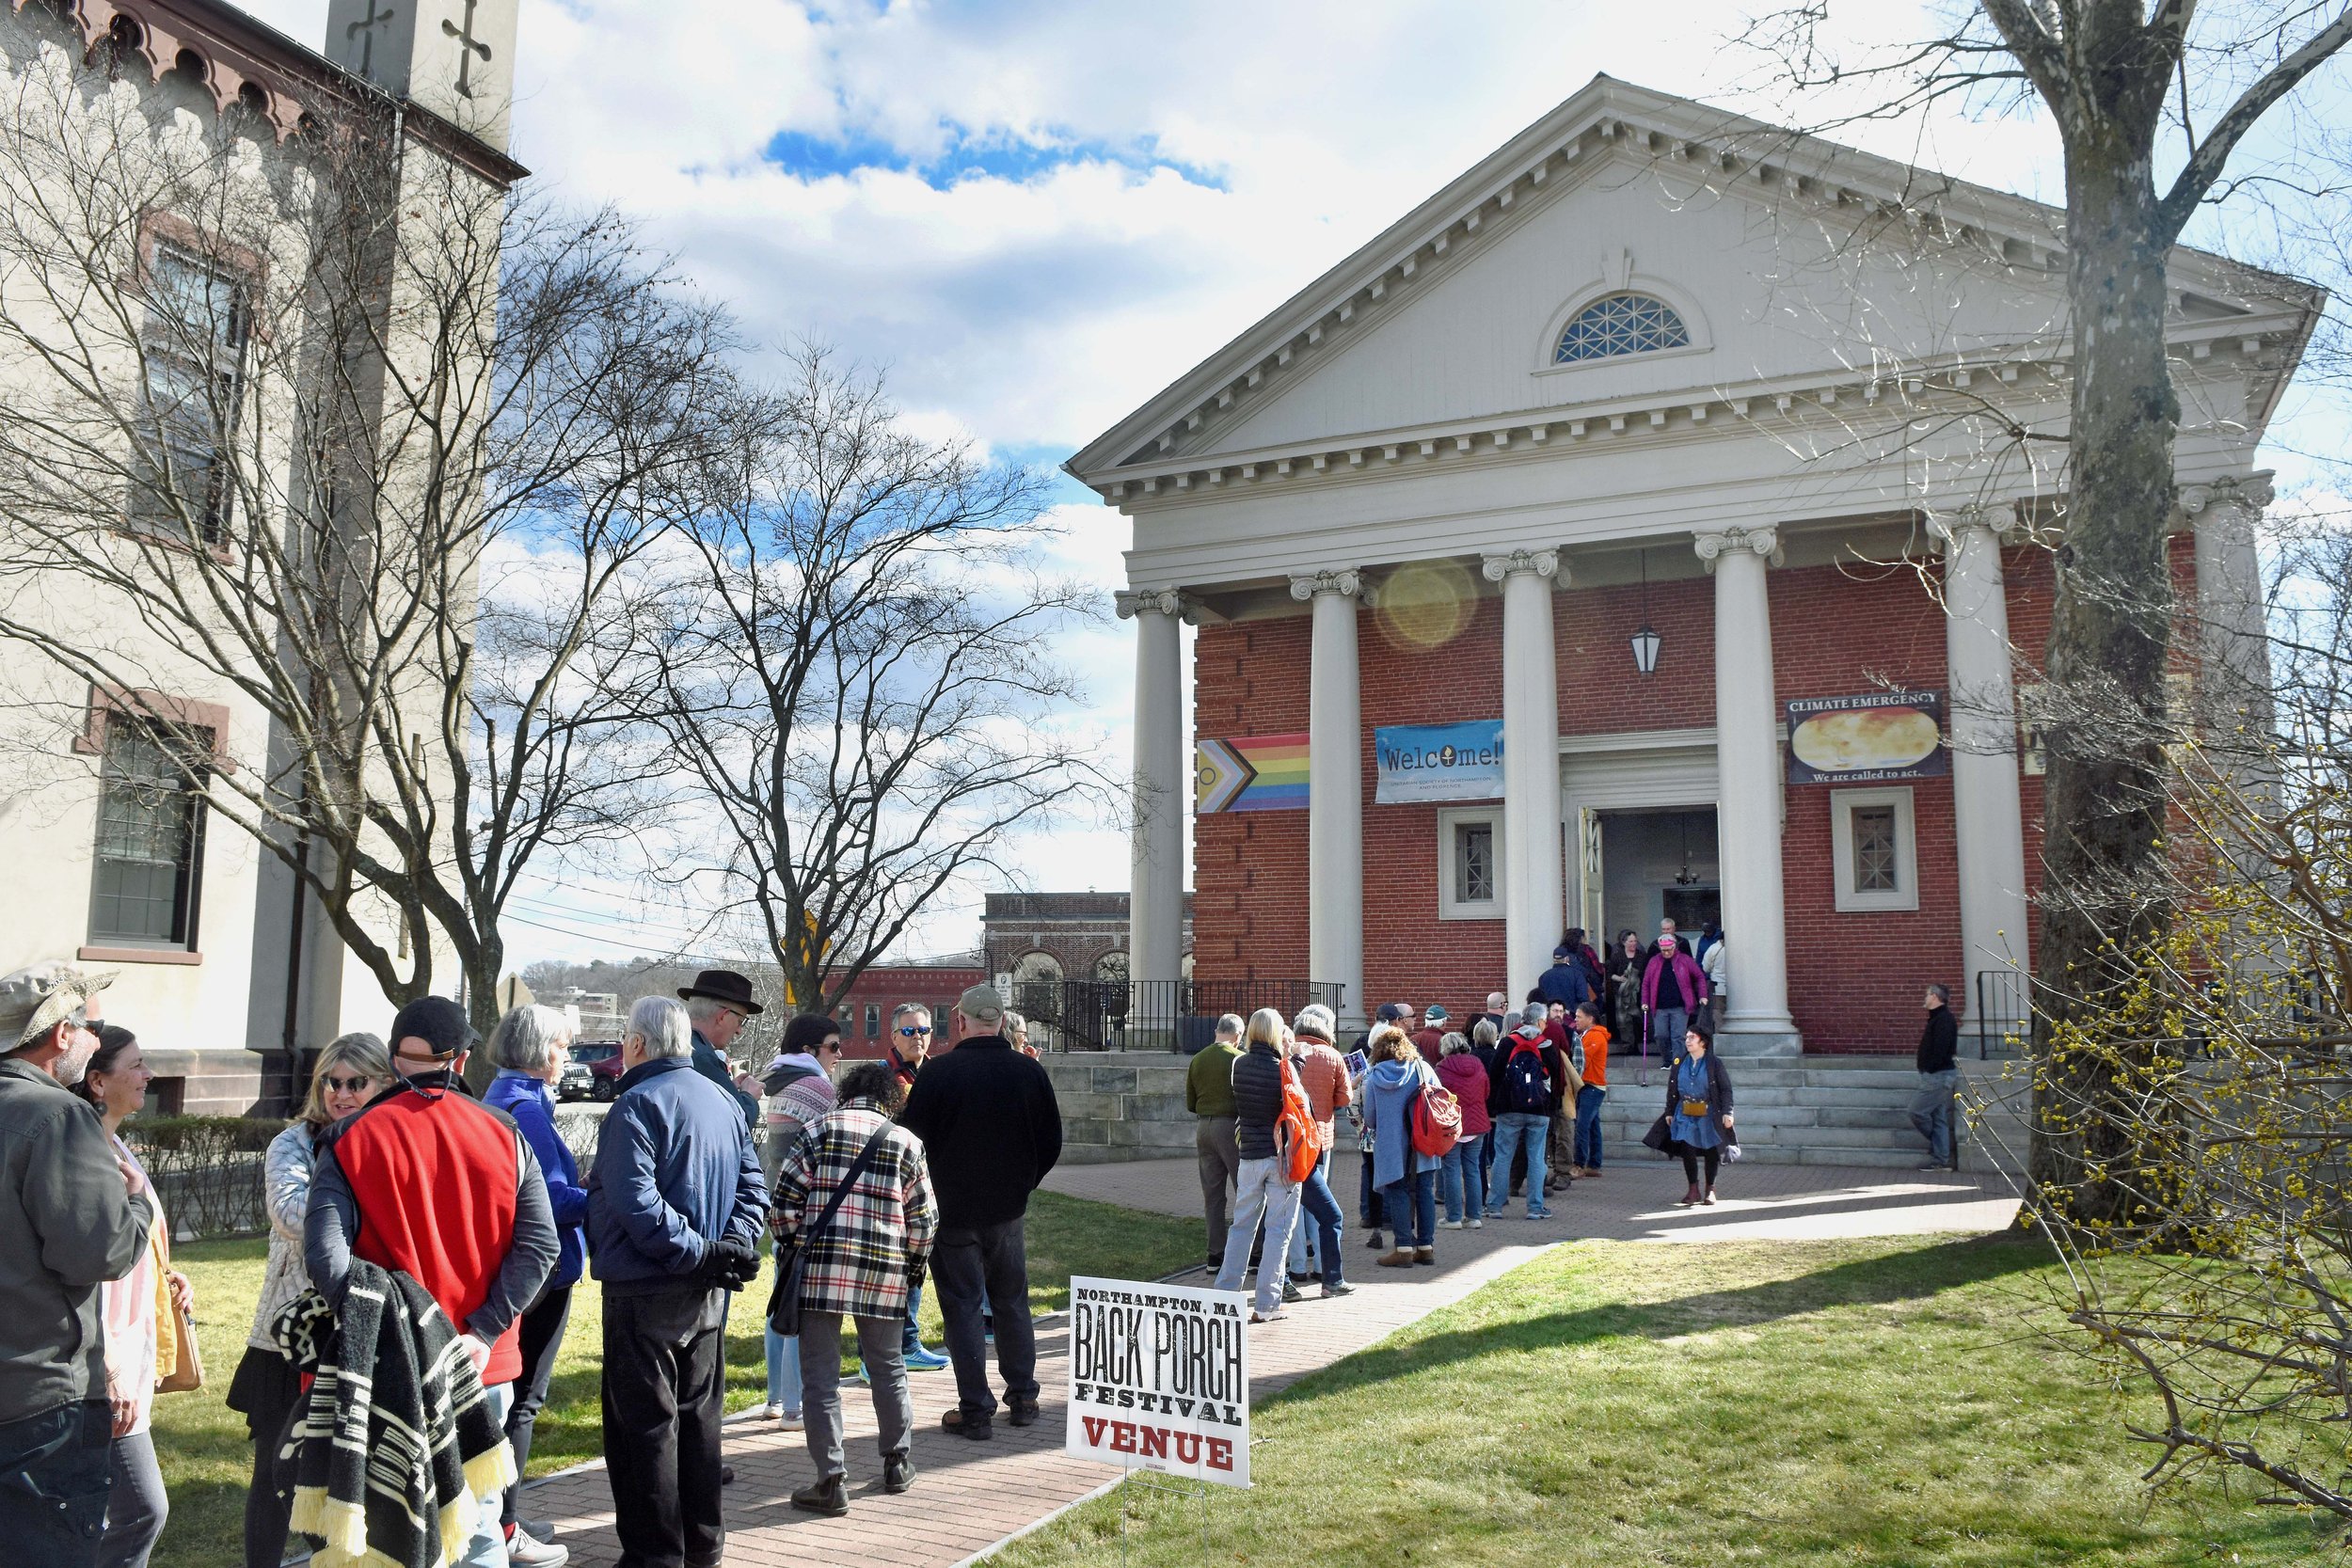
(1425, 1254)
(1691, 1199)
(1401, 1258)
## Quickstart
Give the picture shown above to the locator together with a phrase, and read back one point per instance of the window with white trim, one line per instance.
(148, 860)
(193, 344)
(1621, 324)
(1873, 849)
(1469, 863)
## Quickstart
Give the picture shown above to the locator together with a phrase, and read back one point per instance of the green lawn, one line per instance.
(1785, 1403)
(207, 1459)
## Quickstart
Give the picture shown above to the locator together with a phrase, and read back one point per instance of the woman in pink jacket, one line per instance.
(1673, 988)
(1463, 1178)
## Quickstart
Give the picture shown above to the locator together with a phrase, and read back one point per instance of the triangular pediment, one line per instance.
(1785, 257)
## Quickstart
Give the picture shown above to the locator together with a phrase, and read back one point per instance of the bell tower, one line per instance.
(455, 58)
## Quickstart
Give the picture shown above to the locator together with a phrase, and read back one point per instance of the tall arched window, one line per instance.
(1618, 324)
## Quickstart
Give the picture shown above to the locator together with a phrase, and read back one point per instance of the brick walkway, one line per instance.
(968, 1497)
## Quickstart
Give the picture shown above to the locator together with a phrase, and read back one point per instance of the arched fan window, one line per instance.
(1618, 324)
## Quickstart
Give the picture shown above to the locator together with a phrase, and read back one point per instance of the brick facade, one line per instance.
(1853, 978)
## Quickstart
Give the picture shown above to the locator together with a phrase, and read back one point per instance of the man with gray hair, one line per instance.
(991, 1129)
(718, 1005)
(1209, 1096)
(72, 1218)
(676, 1205)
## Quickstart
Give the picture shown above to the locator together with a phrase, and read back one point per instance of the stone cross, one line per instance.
(470, 47)
(364, 30)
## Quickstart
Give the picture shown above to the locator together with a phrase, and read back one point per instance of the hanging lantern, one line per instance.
(1646, 642)
(1646, 646)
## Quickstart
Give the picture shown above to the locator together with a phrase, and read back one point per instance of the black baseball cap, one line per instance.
(438, 1021)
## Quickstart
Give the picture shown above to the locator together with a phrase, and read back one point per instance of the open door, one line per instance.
(1589, 903)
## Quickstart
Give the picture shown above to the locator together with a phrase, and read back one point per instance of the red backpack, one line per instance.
(1297, 1139)
(1435, 1117)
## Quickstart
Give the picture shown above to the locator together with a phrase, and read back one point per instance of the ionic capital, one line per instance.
(1954, 527)
(1347, 582)
(1762, 540)
(1131, 602)
(2249, 496)
(1543, 564)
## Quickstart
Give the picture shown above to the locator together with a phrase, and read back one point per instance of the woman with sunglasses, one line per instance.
(798, 1084)
(266, 1387)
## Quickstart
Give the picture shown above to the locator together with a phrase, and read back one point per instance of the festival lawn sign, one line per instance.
(1159, 1379)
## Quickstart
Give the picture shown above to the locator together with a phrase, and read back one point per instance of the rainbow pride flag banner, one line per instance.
(1261, 772)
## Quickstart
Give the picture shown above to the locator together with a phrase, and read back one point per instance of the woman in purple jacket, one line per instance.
(1673, 988)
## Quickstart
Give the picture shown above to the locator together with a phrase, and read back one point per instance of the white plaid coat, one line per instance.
(881, 1236)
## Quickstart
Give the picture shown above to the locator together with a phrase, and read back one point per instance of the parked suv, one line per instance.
(599, 1062)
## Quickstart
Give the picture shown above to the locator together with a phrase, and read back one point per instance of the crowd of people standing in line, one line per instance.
(1527, 1084)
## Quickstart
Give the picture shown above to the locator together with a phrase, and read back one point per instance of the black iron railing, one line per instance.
(2001, 1017)
(1152, 1015)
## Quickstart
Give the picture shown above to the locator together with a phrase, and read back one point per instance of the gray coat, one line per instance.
(68, 1225)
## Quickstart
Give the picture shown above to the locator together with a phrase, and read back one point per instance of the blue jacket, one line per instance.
(1387, 1097)
(526, 1098)
(1567, 983)
(676, 1171)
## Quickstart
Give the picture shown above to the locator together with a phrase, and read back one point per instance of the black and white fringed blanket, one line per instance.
(396, 1442)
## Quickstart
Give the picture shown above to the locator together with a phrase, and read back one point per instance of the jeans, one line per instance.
(986, 1264)
(910, 1330)
(1319, 1207)
(784, 1371)
(1588, 1103)
(1261, 1196)
(1517, 1130)
(1307, 1243)
(1220, 1160)
(55, 1471)
(136, 1504)
(542, 1338)
(1414, 1201)
(487, 1549)
(664, 1386)
(1932, 1112)
(819, 1343)
(1666, 1028)
(1367, 1198)
(1464, 1179)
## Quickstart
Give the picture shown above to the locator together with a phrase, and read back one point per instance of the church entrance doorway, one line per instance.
(1643, 865)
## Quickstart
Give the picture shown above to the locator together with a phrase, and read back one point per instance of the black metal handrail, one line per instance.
(1152, 1015)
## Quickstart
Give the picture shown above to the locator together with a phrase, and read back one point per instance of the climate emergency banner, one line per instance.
(1159, 1379)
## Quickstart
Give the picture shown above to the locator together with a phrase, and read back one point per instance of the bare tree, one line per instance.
(342, 429)
(859, 656)
(2120, 81)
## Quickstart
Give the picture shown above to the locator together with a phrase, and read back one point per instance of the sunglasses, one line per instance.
(347, 1085)
(918, 1029)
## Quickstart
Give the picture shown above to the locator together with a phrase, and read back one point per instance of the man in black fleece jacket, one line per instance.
(1939, 1078)
(992, 1129)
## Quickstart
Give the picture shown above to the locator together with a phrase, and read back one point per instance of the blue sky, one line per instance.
(1034, 213)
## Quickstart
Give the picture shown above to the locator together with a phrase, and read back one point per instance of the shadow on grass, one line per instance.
(1909, 1275)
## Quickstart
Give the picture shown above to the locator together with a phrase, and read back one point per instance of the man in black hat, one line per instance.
(718, 1005)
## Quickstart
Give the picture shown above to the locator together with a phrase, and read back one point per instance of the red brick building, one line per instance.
(864, 1009)
(1621, 535)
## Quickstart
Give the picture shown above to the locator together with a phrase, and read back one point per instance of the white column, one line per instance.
(1156, 906)
(2233, 675)
(1988, 823)
(1335, 800)
(1748, 795)
(1530, 854)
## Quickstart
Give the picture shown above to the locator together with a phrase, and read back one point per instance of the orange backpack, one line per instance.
(1297, 1140)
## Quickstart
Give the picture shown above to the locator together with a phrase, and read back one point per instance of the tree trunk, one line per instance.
(2104, 894)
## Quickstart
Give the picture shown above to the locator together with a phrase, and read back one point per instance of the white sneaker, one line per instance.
(1449, 1225)
(788, 1421)
(1475, 1224)
(772, 1413)
(524, 1552)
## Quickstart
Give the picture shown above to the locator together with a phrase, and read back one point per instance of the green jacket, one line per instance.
(1209, 1081)
(68, 1224)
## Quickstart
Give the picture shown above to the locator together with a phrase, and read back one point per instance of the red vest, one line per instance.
(433, 1179)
